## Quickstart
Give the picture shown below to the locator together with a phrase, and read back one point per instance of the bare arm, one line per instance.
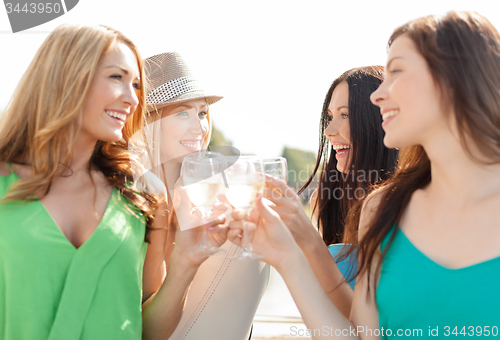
(325, 268)
(162, 312)
(154, 270)
(272, 239)
(322, 317)
(364, 308)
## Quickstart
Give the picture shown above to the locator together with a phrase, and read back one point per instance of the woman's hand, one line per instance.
(190, 227)
(268, 234)
(289, 208)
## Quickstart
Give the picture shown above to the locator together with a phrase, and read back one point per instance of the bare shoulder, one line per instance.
(372, 201)
(370, 207)
(4, 169)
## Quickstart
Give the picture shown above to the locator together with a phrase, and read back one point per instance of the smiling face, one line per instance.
(338, 129)
(112, 97)
(184, 128)
(409, 99)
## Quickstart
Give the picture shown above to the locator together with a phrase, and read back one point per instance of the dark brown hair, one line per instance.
(370, 161)
(462, 50)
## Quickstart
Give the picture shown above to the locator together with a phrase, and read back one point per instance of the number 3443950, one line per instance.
(32, 8)
(471, 331)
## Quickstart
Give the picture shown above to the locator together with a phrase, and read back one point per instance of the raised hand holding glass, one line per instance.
(202, 176)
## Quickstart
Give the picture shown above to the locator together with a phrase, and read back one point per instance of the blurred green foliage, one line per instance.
(300, 165)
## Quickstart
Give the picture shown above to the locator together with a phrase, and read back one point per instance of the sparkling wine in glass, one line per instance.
(202, 176)
(245, 179)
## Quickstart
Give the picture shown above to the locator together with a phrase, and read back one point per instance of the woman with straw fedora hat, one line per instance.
(225, 294)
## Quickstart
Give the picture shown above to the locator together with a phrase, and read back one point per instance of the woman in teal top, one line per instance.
(74, 262)
(428, 238)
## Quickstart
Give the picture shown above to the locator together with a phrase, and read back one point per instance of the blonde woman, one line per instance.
(73, 230)
(225, 294)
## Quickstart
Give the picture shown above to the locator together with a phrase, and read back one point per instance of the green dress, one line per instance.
(51, 290)
(418, 298)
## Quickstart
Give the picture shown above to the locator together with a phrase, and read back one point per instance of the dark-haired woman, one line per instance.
(352, 126)
(354, 158)
(429, 255)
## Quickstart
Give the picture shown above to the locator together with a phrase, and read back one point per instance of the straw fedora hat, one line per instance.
(170, 81)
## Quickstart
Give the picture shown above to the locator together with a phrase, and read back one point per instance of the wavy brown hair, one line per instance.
(368, 156)
(462, 50)
(44, 115)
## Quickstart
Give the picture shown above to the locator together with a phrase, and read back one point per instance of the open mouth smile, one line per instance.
(121, 117)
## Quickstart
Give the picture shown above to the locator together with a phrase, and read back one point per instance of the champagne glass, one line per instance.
(276, 167)
(202, 176)
(245, 178)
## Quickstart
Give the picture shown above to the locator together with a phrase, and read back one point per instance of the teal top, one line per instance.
(415, 293)
(51, 290)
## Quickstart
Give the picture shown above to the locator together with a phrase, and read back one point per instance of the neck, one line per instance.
(172, 174)
(456, 175)
(81, 154)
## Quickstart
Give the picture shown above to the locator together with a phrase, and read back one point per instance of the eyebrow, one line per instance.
(124, 70)
(342, 107)
(204, 107)
(392, 59)
(121, 68)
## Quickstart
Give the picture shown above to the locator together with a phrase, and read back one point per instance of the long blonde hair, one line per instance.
(44, 115)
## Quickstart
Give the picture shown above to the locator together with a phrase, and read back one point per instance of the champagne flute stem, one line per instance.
(205, 239)
(246, 246)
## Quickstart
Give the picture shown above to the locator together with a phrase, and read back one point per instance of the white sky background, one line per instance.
(272, 60)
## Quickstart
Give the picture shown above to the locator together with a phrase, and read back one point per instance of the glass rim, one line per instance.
(244, 157)
(273, 159)
(203, 155)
